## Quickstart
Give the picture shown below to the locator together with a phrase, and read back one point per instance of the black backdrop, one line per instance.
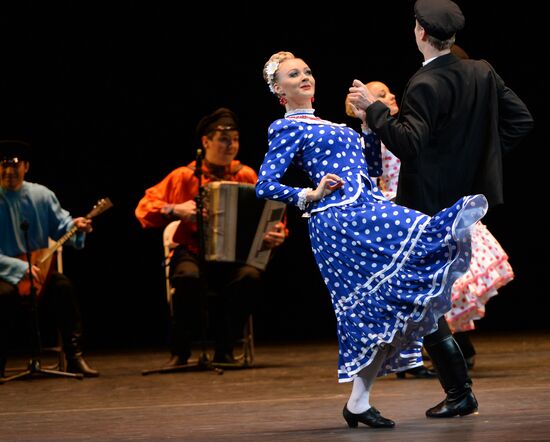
(111, 93)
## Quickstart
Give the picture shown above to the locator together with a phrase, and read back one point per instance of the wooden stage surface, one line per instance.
(291, 394)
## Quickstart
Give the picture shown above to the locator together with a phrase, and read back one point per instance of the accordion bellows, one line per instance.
(237, 222)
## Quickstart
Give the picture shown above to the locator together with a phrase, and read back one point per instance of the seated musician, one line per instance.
(31, 207)
(237, 286)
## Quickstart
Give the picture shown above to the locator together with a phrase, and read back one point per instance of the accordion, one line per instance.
(237, 222)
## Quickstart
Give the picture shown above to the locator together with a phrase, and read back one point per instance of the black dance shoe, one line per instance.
(461, 406)
(417, 372)
(371, 417)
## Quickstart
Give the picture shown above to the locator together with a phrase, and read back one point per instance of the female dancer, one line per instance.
(389, 269)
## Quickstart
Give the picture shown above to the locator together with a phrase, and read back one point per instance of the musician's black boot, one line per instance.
(70, 326)
(224, 334)
(73, 354)
(8, 301)
(182, 323)
(453, 375)
(77, 364)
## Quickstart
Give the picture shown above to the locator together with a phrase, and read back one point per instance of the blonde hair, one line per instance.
(271, 67)
(349, 109)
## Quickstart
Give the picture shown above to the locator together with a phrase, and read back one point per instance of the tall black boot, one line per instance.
(224, 335)
(185, 319)
(70, 325)
(9, 299)
(3, 345)
(73, 353)
(235, 305)
(180, 333)
(453, 375)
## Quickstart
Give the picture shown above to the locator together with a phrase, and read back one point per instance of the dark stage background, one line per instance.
(111, 94)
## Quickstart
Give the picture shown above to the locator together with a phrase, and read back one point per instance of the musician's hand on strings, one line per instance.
(329, 183)
(276, 236)
(36, 274)
(83, 224)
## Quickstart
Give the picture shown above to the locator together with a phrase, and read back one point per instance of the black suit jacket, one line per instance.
(457, 117)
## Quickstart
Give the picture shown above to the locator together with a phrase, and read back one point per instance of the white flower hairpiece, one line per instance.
(270, 70)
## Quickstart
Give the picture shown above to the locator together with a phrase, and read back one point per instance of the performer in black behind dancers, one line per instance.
(456, 119)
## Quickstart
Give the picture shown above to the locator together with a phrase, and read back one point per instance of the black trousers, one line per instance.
(219, 301)
(57, 301)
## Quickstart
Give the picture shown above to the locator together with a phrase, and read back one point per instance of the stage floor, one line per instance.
(291, 394)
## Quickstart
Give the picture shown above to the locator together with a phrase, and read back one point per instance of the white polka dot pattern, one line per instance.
(489, 267)
(389, 270)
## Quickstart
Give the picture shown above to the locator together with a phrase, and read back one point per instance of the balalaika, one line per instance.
(237, 223)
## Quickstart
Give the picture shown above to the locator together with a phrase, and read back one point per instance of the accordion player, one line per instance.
(236, 224)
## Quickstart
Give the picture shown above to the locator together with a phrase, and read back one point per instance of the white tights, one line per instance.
(358, 401)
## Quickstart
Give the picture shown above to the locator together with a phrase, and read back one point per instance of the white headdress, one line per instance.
(270, 70)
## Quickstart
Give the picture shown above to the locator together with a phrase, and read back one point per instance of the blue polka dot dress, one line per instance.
(389, 269)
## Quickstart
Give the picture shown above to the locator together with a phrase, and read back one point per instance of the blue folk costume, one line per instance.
(389, 269)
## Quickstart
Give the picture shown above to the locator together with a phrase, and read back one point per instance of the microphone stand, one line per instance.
(199, 200)
(34, 366)
(203, 362)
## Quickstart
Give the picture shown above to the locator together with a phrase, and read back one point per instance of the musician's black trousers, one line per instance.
(57, 301)
(231, 292)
